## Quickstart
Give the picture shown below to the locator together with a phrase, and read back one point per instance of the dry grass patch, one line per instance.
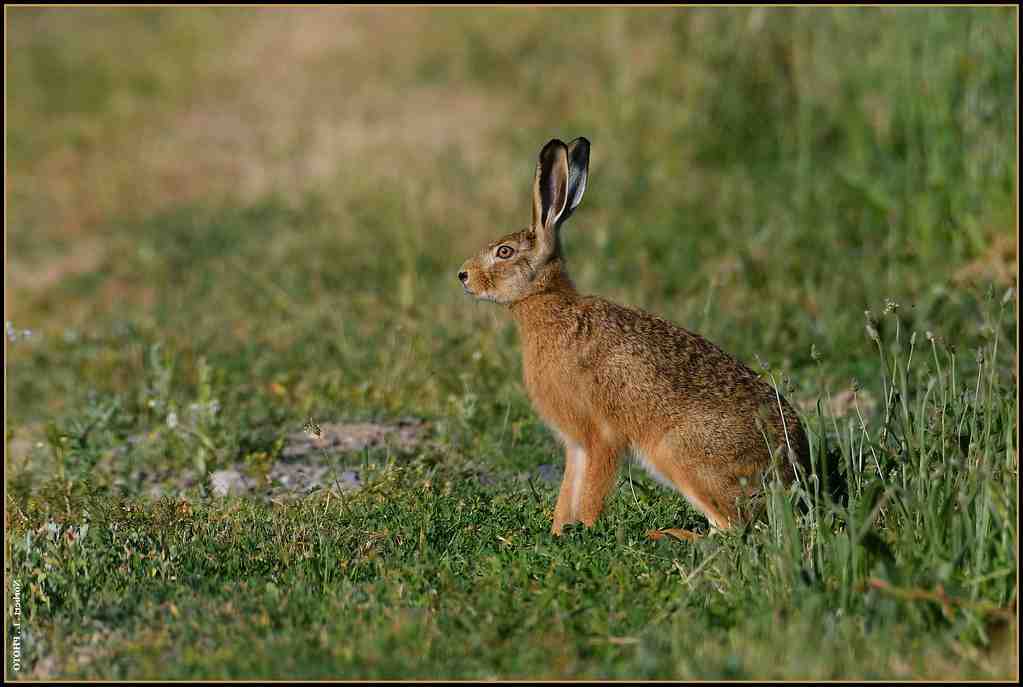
(998, 264)
(293, 102)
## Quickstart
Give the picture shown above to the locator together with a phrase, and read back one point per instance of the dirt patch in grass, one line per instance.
(320, 458)
(404, 435)
(307, 463)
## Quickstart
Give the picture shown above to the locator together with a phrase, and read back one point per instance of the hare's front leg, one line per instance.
(589, 476)
(564, 511)
(599, 473)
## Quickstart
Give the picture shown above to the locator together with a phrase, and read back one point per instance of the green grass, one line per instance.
(267, 209)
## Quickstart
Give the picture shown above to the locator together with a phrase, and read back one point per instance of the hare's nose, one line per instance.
(463, 277)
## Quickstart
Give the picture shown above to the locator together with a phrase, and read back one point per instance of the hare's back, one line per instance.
(657, 368)
(649, 349)
(676, 382)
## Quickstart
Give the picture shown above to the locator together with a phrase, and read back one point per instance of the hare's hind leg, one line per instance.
(669, 461)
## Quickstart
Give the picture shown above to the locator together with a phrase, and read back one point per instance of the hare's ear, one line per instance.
(578, 167)
(550, 187)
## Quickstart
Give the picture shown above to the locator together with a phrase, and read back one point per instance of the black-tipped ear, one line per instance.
(578, 168)
(550, 188)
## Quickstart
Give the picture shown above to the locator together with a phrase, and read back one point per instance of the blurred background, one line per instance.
(286, 193)
(224, 226)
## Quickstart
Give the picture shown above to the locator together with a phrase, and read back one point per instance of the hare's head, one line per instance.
(520, 264)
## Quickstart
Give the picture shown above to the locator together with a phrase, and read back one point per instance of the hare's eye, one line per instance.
(505, 252)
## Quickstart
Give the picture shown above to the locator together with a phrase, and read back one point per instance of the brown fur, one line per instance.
(609, 379)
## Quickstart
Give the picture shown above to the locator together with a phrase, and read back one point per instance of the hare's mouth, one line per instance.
(479, 295)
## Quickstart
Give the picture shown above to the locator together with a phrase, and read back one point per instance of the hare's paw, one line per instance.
(673, 533)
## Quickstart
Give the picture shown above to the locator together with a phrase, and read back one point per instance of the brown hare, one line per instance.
(609, 379)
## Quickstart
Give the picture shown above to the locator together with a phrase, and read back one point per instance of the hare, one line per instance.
(608, 379)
